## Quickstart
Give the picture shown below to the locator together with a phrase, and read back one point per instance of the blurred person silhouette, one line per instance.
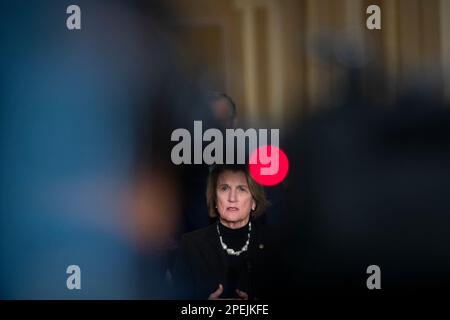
(220, 109)
(223, 109)
(368, 186)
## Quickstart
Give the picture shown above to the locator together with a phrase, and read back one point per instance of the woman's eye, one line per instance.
(242, 189)
(223, 188)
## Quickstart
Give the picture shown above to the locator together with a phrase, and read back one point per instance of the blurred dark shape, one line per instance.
(219, 111)
(370, 186)
(231, 282)
(358, 62)
(223, 109)
(86, 172)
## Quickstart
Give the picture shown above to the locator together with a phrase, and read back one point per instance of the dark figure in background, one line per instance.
(221, 110)
(231, 258)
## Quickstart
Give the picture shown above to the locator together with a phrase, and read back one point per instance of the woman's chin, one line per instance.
(233, 217)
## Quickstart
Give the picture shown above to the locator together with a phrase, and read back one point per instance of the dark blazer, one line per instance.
(200, 263)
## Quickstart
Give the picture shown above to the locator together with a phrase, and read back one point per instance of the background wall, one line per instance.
(264, 53)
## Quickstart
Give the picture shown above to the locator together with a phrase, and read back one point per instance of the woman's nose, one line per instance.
(232, 196)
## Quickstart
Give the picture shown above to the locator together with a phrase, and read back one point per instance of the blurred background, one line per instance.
(86, 118)
(281, 59)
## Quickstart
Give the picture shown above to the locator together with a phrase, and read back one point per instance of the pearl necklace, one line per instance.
(231, 251)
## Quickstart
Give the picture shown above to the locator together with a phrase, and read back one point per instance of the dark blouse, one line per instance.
(237, 276)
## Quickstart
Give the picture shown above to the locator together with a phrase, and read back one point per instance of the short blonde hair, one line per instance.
(256, 190)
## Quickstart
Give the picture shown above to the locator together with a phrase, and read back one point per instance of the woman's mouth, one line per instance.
(232, 208)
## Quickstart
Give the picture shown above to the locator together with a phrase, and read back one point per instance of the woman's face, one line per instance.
(234, 200)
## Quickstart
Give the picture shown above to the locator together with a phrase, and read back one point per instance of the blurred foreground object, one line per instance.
(371, 186)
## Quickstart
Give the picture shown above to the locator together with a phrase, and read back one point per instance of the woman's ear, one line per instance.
(253, 205)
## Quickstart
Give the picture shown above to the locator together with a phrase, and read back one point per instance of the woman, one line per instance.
(228, 259)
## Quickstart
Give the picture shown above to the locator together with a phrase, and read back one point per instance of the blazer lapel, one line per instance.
(257, 246)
